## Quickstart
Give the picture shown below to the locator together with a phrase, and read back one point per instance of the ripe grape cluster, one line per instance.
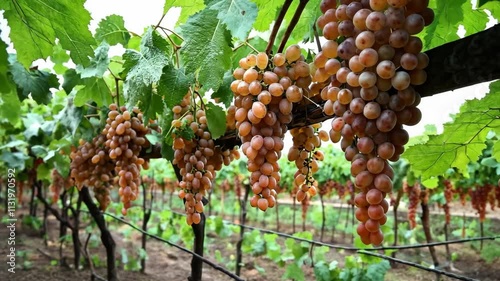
(265, 90)
(92, 167)
(125, 138)
(448, 196)
(57, 183)
(479, 199)
(414, 194)
(306, 141)
(372, 73)
(113, 153)
(196, 156)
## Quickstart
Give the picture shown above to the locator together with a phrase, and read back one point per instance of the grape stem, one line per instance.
(316, 36)
(91, 106)
(161, 19)
(171, 31)
(91, 115)
(293, 23)
(246, 44)
(277, 25)
(175, 47)
(312, 102)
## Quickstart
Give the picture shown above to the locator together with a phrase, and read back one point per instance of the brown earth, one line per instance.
(167, 263)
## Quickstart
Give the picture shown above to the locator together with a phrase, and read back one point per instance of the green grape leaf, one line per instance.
(206, 48)
(166, 124)
(216, 120)
(71, 79)
(495, 152)
(98, 65)
(237, 15)
(36, 24)
(377, 271)
(10, 106)
(94, 89)
(268, 10)
(174, 85)
(71, 116)
(243, 51)
(34, 82)
(14, 159)
(5, 83)
(294, 272)
(144, 68)
(492, 6)
(480, 3)
(448, 17)
(224, 93)
(33, 123)
(59, 57)
(188, 8)
(462, 141)
(112, 30)
(152, 105)
(303, 31)
(15, 143)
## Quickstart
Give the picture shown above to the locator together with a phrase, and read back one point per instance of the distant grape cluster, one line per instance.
(372, 73)
(196, 156)
(265, 91)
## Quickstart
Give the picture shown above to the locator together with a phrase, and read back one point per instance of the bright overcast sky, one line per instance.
(140, 14)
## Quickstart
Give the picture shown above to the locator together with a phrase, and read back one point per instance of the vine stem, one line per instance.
(293, 23)
(161, 19)
(316, 36)
(310, 100)
(174, 46)
(277, 25)
(92, 106)
(246, 44)
(173, 32)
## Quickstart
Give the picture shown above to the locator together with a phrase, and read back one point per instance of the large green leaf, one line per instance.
(112, 30)
(206, 48)
(5, 83)
(98, 65)
(462, 141)
(33, 81)
(224, 93)
(59, 56)
(216, 120)
(144, 68)
(237, 15)
(448, 17)
(174, 85)
(14, 159)
(303, 31)
(71, 79)
(35, 24)
(94, 89)
(10, 106)
(188, 8)
(33, 123)
(268, 10)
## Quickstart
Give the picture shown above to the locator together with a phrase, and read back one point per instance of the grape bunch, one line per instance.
(265, 90)
(448, 196)
(125, 138)
(479, 199)
(305, 154)
(196, 156)
(91, 166)
(58, 182)
(414, 196)
(372, 74)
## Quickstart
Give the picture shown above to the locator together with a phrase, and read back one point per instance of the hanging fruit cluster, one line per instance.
(373, 59)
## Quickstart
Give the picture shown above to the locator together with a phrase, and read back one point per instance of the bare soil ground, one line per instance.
(167, 263)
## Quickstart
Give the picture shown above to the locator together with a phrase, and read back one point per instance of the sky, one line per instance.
(140, 14)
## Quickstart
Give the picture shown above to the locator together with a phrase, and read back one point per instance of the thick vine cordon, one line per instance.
(372, 58)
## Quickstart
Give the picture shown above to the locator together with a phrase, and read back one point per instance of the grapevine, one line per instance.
(372, 73)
